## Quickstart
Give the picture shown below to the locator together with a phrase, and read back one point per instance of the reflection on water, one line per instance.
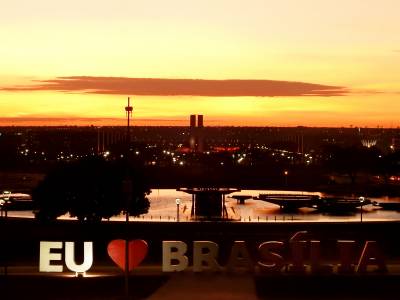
(163, 207)
(163, 203)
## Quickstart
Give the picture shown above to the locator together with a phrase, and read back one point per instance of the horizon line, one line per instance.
(216, 126)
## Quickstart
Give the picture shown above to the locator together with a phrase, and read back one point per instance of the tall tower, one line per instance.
(196, 139)
(200, 119)
(192, 121)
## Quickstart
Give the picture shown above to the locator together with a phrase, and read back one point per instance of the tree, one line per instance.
(351, 160)
(389, 165)
(91, 189)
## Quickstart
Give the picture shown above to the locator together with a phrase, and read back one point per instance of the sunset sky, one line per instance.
(241, 63)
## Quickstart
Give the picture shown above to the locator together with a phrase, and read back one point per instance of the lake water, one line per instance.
(163, 207)
(163, 204)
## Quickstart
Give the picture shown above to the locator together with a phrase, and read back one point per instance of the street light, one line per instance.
(4, 202)
(285, 173)
(362, 200)
(178, 202)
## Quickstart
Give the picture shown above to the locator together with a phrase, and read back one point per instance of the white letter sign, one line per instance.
(46, 257)
(178, 255)
(70, 257)
(205, 260)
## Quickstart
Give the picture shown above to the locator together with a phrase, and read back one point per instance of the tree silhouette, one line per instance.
(352, 160)
(91, 189)
(389, 165)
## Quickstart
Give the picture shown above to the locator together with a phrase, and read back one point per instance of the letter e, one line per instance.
(46, 257)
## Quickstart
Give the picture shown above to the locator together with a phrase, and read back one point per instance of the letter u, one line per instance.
(70, 257)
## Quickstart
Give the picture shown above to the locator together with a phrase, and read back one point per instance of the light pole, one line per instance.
(4, 203)
(4, 206)
(285, 174)
(362, 199)
(178, 202)
(128, 187)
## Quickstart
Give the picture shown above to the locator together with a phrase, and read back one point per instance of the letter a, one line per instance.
(239, 258)
(371, 256)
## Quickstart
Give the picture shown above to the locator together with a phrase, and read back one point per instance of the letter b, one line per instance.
(178, 255)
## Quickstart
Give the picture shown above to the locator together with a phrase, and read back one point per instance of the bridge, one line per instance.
(290, 201)
(329, 204)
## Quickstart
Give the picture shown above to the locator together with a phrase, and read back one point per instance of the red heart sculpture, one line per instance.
(137, 252)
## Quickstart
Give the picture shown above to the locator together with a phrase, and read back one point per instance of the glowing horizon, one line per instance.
(311, 64)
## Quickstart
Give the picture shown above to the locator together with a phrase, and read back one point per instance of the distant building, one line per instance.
(200, 121)
(395, 145)
(192, 121)
(368, 142)
(196, 139)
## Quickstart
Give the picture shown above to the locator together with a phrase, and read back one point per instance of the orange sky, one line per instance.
(310, 62)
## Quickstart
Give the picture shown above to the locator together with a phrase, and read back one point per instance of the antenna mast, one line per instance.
(128, 188)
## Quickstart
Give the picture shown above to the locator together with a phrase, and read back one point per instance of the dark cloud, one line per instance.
(78, 120)
(33, 119)
(181, 87)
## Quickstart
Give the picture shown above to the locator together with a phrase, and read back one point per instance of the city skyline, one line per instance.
(261, 63)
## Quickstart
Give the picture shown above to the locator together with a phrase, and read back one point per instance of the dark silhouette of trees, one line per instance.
(352, 160)
(91, 189)
(389, 166)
